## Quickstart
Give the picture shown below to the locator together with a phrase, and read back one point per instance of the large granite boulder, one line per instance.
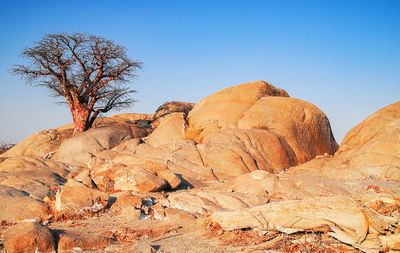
(226, 107)
(369, 150)
(257, 126)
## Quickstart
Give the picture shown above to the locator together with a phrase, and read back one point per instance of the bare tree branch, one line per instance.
(88, 70)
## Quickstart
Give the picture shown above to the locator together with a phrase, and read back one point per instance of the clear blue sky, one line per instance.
(342, 56)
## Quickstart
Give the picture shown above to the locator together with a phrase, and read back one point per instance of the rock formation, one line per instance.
(256, 167)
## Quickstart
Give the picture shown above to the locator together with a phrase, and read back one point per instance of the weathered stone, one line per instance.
(344, 216)
(172, 107)
(163, 172)
(136, 179)
(174, 215)
(131, 212)
(207, 201)
(87, 242)
(232, 152)
(369, 150)
(300, 124)
(84, 178)
(284, 186)
(28, 237)
(257, 126)
(226, 107)
(41, 144)
(127, 199)
(33, 175)
(170, 129)
(77, 197)
(15, 208)
(158, 211)
(80, 148)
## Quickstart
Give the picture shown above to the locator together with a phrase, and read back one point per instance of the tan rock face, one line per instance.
(135, 178)
(300, 124)
(232, 152)
(173, 107)
(13, 208)
(36, 176)
(80, 148)
(287, 186)
(171, 128)
(29, 237)
(226, 107)
(127, 199)
(371, 149)
(257, 126)
(134, 116)
(206, 201)
(87, 242)
(163, 172)
(24, 182)
(78, 198)
(40, 144)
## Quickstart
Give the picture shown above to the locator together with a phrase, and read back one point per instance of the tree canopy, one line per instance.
(91, 72)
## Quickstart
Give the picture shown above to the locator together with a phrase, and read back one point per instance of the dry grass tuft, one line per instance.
(194, 133)
(271, 239)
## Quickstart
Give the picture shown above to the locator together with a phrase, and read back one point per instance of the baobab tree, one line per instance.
(91, 72)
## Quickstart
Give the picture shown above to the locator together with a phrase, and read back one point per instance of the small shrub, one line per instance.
(5, 146)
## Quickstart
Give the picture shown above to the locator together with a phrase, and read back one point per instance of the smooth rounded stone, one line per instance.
(170, 129)
(257, 126)
(304, 127)
(371, 150)
(226, 107)
(77, 197)
(28, 237)
(233, 152)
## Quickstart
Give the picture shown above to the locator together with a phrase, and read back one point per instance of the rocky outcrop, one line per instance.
(225, 108)
(35, 176)
(29, 237)
(172, 107)
(257, 126)
(80, 148)
(75, 197)
(170, 129)
(41, 144)
(369, 150)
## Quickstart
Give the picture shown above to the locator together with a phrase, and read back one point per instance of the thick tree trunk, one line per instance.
(80, 115)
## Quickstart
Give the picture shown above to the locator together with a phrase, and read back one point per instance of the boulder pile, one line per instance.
(248, 157)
